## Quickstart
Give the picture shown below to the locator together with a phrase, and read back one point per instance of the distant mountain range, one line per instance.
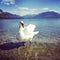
(7, 15)
(49, 14)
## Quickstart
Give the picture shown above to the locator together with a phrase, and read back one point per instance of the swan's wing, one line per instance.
(29, 29)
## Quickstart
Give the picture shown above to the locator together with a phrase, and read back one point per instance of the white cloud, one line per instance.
(8, 2)
(26, 11)
(23, 8)
(45, 9)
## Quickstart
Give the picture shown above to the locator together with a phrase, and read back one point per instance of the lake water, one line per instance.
(49, 29)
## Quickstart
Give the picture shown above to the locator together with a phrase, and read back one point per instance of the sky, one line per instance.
(29, 7)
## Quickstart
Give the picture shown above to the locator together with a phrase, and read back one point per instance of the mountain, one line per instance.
(49, 14)
(7, 15)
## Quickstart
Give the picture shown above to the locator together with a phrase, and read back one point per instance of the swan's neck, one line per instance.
(21, 28)
(21, 31)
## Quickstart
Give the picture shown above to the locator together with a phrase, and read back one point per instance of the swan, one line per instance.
(27, 33)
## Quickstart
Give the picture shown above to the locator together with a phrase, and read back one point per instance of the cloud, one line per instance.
(45, 9)
(8, 2)
(27, 11)
(23, 8)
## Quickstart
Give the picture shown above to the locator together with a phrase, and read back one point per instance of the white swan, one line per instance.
(26, 33)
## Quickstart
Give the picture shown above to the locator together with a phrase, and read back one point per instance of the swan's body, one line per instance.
(27, 33)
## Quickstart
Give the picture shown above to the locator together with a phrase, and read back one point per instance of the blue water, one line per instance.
(49, 29)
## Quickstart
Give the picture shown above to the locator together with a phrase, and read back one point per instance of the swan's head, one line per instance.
(22, 23)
